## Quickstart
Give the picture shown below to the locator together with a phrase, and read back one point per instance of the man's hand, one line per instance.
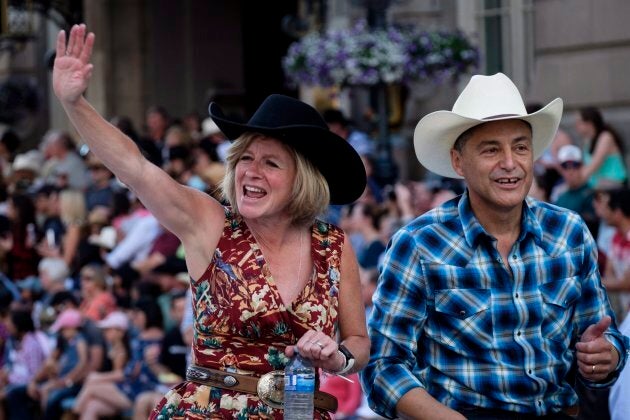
(596, 356)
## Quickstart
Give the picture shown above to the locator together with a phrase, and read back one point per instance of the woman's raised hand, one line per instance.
(72, 70)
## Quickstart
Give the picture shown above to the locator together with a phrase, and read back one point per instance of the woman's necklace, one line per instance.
(300, 258)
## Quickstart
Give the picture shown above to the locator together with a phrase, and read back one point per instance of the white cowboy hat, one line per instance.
(484, 99)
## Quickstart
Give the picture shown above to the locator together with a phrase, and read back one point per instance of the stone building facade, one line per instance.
(183, 54)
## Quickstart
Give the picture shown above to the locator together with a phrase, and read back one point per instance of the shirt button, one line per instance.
(529, 371)
(462, 313)
(518, 333)
(514, 256)
(516, 295)
(539, 402)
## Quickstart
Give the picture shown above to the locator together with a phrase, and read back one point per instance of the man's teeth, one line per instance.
(507, 180)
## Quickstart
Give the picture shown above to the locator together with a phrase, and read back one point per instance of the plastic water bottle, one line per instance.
(299, 389)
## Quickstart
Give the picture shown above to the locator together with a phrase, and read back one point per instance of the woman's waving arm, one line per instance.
(180, 209)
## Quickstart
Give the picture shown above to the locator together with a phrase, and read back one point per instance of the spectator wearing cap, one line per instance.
(94, 336)
(115, 328)
(216, 144)
(578, 196)
(24, 171)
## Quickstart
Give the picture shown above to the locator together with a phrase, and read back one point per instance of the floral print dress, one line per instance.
(242, 325)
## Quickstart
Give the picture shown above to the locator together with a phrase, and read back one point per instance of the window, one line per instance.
(506, 37)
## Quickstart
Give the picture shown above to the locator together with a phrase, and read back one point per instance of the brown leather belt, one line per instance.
(269, 387)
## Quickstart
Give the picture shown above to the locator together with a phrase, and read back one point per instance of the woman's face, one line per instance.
(584, 128)
(264, 177)
(88, 285)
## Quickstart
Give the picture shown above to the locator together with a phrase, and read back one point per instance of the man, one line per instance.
(577, 195)
(487, 304)
(617, 280)
(63, 166)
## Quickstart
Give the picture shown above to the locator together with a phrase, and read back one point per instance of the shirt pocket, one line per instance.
(463, 319)
(558, 303)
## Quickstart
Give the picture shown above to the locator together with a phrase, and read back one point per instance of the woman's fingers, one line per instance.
(72, 41)
(61, 43)
(86, 51)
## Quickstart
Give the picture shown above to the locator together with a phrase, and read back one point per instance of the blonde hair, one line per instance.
(72, 207)
(310, 195)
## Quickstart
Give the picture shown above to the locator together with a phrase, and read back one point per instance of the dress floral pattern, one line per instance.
(242, 325)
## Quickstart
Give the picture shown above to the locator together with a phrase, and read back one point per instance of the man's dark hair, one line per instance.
(64, 297)
(152, 312)
(22, 320)
(620, 199)
(466, 135)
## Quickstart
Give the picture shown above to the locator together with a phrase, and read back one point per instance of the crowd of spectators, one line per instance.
(95, 319)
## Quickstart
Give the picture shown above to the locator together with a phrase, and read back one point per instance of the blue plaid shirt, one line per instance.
(451, 318)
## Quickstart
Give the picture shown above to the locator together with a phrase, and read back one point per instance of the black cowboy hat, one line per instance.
(300, 126)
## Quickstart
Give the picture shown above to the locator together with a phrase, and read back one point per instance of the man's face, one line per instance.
(497, 163)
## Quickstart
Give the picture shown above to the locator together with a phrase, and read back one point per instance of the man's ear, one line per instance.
(456, 162)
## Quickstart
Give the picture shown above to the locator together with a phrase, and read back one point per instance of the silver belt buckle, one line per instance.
(270, 388)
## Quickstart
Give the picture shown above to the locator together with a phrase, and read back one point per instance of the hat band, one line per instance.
(501, 116)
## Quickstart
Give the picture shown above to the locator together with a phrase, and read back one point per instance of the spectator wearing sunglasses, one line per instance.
(577, 196)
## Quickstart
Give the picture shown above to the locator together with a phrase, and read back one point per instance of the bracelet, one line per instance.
(348, 364)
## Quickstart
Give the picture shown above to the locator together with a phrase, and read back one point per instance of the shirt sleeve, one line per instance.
(139, 239)
(395, 326)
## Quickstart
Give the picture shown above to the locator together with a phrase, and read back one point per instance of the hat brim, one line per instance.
(335, 158)
(437, 132)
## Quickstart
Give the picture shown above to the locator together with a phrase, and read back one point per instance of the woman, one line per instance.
(267, 279)
(97, 301)
(604, 164)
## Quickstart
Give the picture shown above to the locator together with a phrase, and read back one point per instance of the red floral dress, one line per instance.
(242, 325)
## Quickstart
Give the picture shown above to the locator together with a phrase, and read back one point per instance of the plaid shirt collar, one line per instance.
(475, 233)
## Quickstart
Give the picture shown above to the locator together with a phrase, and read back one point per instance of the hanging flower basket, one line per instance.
(361, 56)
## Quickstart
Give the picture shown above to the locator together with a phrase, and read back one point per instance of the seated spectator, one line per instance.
(26, 352)
(73, 214)
(63, 167)
(140, 373)
(577, 194)
(19, 246)
(115, 329)
(97, 302)
(366, 221)
(101, 189)
(60, 376)
(53, 278)
(47, 212)
(24, 172)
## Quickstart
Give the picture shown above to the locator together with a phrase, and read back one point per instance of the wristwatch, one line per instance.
(348, 357)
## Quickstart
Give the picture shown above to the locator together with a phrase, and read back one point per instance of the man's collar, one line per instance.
(474, 231)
